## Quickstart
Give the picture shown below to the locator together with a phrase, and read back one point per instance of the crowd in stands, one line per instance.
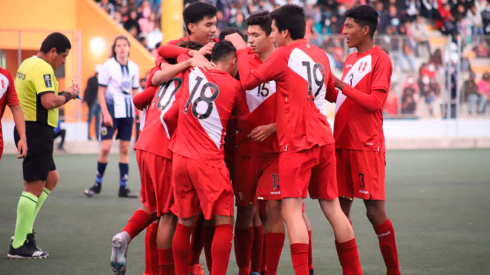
(404, 30)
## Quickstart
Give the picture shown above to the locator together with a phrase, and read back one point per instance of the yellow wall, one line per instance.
(35, 19)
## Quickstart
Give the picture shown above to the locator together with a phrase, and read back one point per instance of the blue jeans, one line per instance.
(94, 111)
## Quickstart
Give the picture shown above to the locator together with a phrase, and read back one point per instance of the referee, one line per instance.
(118, 81)
(37, 89)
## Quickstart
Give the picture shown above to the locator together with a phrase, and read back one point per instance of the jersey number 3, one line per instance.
(202, 98)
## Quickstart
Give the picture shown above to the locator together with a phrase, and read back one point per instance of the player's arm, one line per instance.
(332, 93)
(247, 79)
(14, 105)
(103, 106)
(372, 102)
(143, 99)
(169, 71)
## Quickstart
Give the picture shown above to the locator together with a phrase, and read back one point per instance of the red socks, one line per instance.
(165, 261)
(387, 244)
(207, 240)
(221, 248)
(310, 252)
(299, 257)
(196, 241)
(137, 223)
(263, 268)
(180, 249)
(274, 243)
(243, 249)
(257, 249)
(349, 257)
(151, 253)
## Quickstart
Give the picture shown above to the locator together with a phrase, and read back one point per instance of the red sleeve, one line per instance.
(272, 69)
(382, 74)
(332, 93)
(172, 115)
(144, 98)
(373, 102)
(171, 52)
(247, 79)
(241, 106)
(150, 76)
(12, 99)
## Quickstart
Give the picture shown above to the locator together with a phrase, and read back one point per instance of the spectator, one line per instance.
(408, 104)
(420, 34)
(132, 22)
(60, 132)
(475, 20)
(481, 50)
(90, 98)
(471, 93)
(108, 7)
(239, 22)
(407, 59)
(155, 36)
(413, 7)
(428, 91)
(484, 88)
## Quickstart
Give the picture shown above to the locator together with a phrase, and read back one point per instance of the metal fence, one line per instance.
(431, 77)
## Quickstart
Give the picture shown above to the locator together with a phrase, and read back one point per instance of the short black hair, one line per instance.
(261, 19)
(196, 12)
(364, 15)
(231, 30)
(291, 18)
(120, 37)
(191, 45)
(222, 50)
(55, 40)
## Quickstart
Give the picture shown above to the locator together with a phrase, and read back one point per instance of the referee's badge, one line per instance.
(47, 81)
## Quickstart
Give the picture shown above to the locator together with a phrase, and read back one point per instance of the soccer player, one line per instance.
(200, 178)
(37, 89)
(118, 80)
(358, 129)
(8, 97)
(155, 162)
(307, 159)
(256, 156)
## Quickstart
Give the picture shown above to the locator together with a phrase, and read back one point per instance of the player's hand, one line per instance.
(260, 133)
(338, 83)
(108, 120)
(21, 149)
(207, 48)
(236, 40)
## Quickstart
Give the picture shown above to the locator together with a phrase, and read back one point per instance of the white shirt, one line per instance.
(119, 80)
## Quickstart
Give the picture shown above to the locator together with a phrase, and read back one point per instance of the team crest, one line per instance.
(362, 66)
(47, 81)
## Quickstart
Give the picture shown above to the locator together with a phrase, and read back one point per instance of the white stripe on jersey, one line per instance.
(295, 63)
(259, 94)
(212, 124)
(356, 73)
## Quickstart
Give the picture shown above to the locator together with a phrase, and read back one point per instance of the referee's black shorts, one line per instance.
(39, 160)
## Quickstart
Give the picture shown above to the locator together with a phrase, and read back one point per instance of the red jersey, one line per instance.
(157, 124)
(261, 102)
(302, 75)
(8, 96)
(356, 127)
(208, 99)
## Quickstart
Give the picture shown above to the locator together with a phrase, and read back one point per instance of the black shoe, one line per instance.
(32, 241)
(312, 272)
(26, 251)
(93, 190)
(125, 192)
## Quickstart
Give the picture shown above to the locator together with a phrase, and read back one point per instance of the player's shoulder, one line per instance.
(109, 63)
(38, 66)
(5, 73)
